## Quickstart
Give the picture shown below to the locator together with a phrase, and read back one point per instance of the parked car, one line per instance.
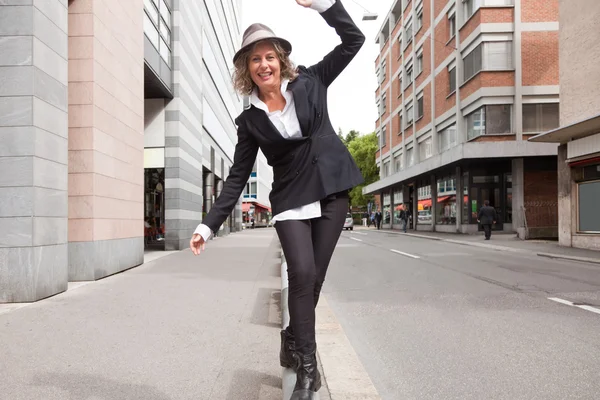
(349, 223)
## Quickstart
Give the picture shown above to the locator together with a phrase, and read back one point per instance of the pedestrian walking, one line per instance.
(378, 218)
(404, 216)
(313, 171)
(487, 217)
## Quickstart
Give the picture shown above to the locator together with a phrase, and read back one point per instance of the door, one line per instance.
(492, 194)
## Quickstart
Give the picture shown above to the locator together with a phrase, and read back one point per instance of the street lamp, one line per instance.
(368, 15)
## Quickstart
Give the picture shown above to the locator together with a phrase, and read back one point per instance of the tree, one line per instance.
(349, 137)
(363, 149)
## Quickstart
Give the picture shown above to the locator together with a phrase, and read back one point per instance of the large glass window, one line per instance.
(410, 115)
(446, 201)
(398, 204)
(540, 117)
(489, 120)
(398, 162)
(420, 107)
(508, 181)
(588, 198)
(424, 205)
(387, 204)
(157, 27)
(447, 138)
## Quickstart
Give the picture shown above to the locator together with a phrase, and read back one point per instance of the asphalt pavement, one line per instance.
(437, 320)
(177, 327)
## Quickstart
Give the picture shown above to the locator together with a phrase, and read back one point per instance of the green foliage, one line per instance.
(363, 149)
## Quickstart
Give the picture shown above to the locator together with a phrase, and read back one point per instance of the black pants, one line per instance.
(308, 246)
(487, 228)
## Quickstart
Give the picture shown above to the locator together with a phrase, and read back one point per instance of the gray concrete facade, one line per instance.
(33, 149)
(200, 134)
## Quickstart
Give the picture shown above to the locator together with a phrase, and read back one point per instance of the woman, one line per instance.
(313, 170)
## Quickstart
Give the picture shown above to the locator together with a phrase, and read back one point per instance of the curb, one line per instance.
(288, 376)
(499, 248)
(570, 258)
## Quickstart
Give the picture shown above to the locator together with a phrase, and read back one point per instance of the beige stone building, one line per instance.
(116, 133)
(579, 132)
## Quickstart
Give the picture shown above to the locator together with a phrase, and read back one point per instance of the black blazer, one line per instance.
(308, 168)
(487, 215)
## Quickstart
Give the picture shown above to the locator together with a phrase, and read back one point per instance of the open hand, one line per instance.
(305, 3)
(197, 244)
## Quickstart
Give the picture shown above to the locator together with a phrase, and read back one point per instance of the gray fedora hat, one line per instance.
(257, 32)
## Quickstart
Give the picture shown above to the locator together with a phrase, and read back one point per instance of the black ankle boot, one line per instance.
(288, 346)
(308, 378)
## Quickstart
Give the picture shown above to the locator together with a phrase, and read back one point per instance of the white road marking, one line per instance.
(358, 240)
(358, 233)
(404, 254)
(570, 303)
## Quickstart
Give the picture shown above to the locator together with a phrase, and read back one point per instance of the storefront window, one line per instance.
(587, 212)
(154, 208)
(387, 205)
(424, 205)
(446, 202)
(465, 213)
(509, 211)
(397, 206)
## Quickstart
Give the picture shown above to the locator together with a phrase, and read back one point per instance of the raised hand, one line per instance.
(197, 244)
(305, 3)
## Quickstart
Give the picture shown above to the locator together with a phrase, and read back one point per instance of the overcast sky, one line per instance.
(352, 95)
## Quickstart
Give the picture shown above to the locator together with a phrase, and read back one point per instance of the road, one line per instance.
(435, 320)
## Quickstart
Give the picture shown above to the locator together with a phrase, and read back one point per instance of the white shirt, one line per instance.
(286, 122)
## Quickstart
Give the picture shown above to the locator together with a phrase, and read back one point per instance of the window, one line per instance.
(540, 117)
(383, 70)
(410, 157)
(383, 136)
(472, 63)
(398, 161)
(250, 190)
(489, 120)
(409, 34)
(419, 61)
(387, 205)
(452, 80)
(587, 208)
(379, 75)
(452, 26)
(409, 75)
(400, 84)
(379, 108)
(384, 104)
(409, 115)
(497, 56)
(420, 107)
(400, 127)
(471, 6)
(447, 138)
(157, 27)
(400, 46)
(386, 169)
(419, 22)
(425, 149)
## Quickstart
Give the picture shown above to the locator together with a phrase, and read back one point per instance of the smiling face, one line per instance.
(264, 66)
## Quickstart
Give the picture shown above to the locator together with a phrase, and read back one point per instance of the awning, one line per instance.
(247, 204)
(566, 133)
(245, 207)
(425, 203)
(258, 205)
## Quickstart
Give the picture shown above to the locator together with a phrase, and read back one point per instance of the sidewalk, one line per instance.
(504, 242)
(177, 327)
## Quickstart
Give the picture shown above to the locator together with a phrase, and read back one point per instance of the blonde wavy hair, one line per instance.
(242, 80)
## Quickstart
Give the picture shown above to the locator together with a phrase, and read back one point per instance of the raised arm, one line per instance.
(244, 157)
(338, 18)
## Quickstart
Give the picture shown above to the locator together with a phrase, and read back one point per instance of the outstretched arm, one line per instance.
(337, 17)
(244, 156)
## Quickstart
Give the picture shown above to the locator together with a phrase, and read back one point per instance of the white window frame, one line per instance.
(410, 114)
(420, 110)
(419, 61)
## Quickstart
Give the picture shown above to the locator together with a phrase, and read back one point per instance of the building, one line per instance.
(579, 132)
(116, 118)
(256, 204)
(462, 85)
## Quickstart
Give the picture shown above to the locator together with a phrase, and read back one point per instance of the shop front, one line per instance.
(154, 209)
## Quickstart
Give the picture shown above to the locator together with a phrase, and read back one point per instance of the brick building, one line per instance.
(579, 133)
(462, 85)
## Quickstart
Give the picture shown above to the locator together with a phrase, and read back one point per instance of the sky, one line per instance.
(351, 101)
